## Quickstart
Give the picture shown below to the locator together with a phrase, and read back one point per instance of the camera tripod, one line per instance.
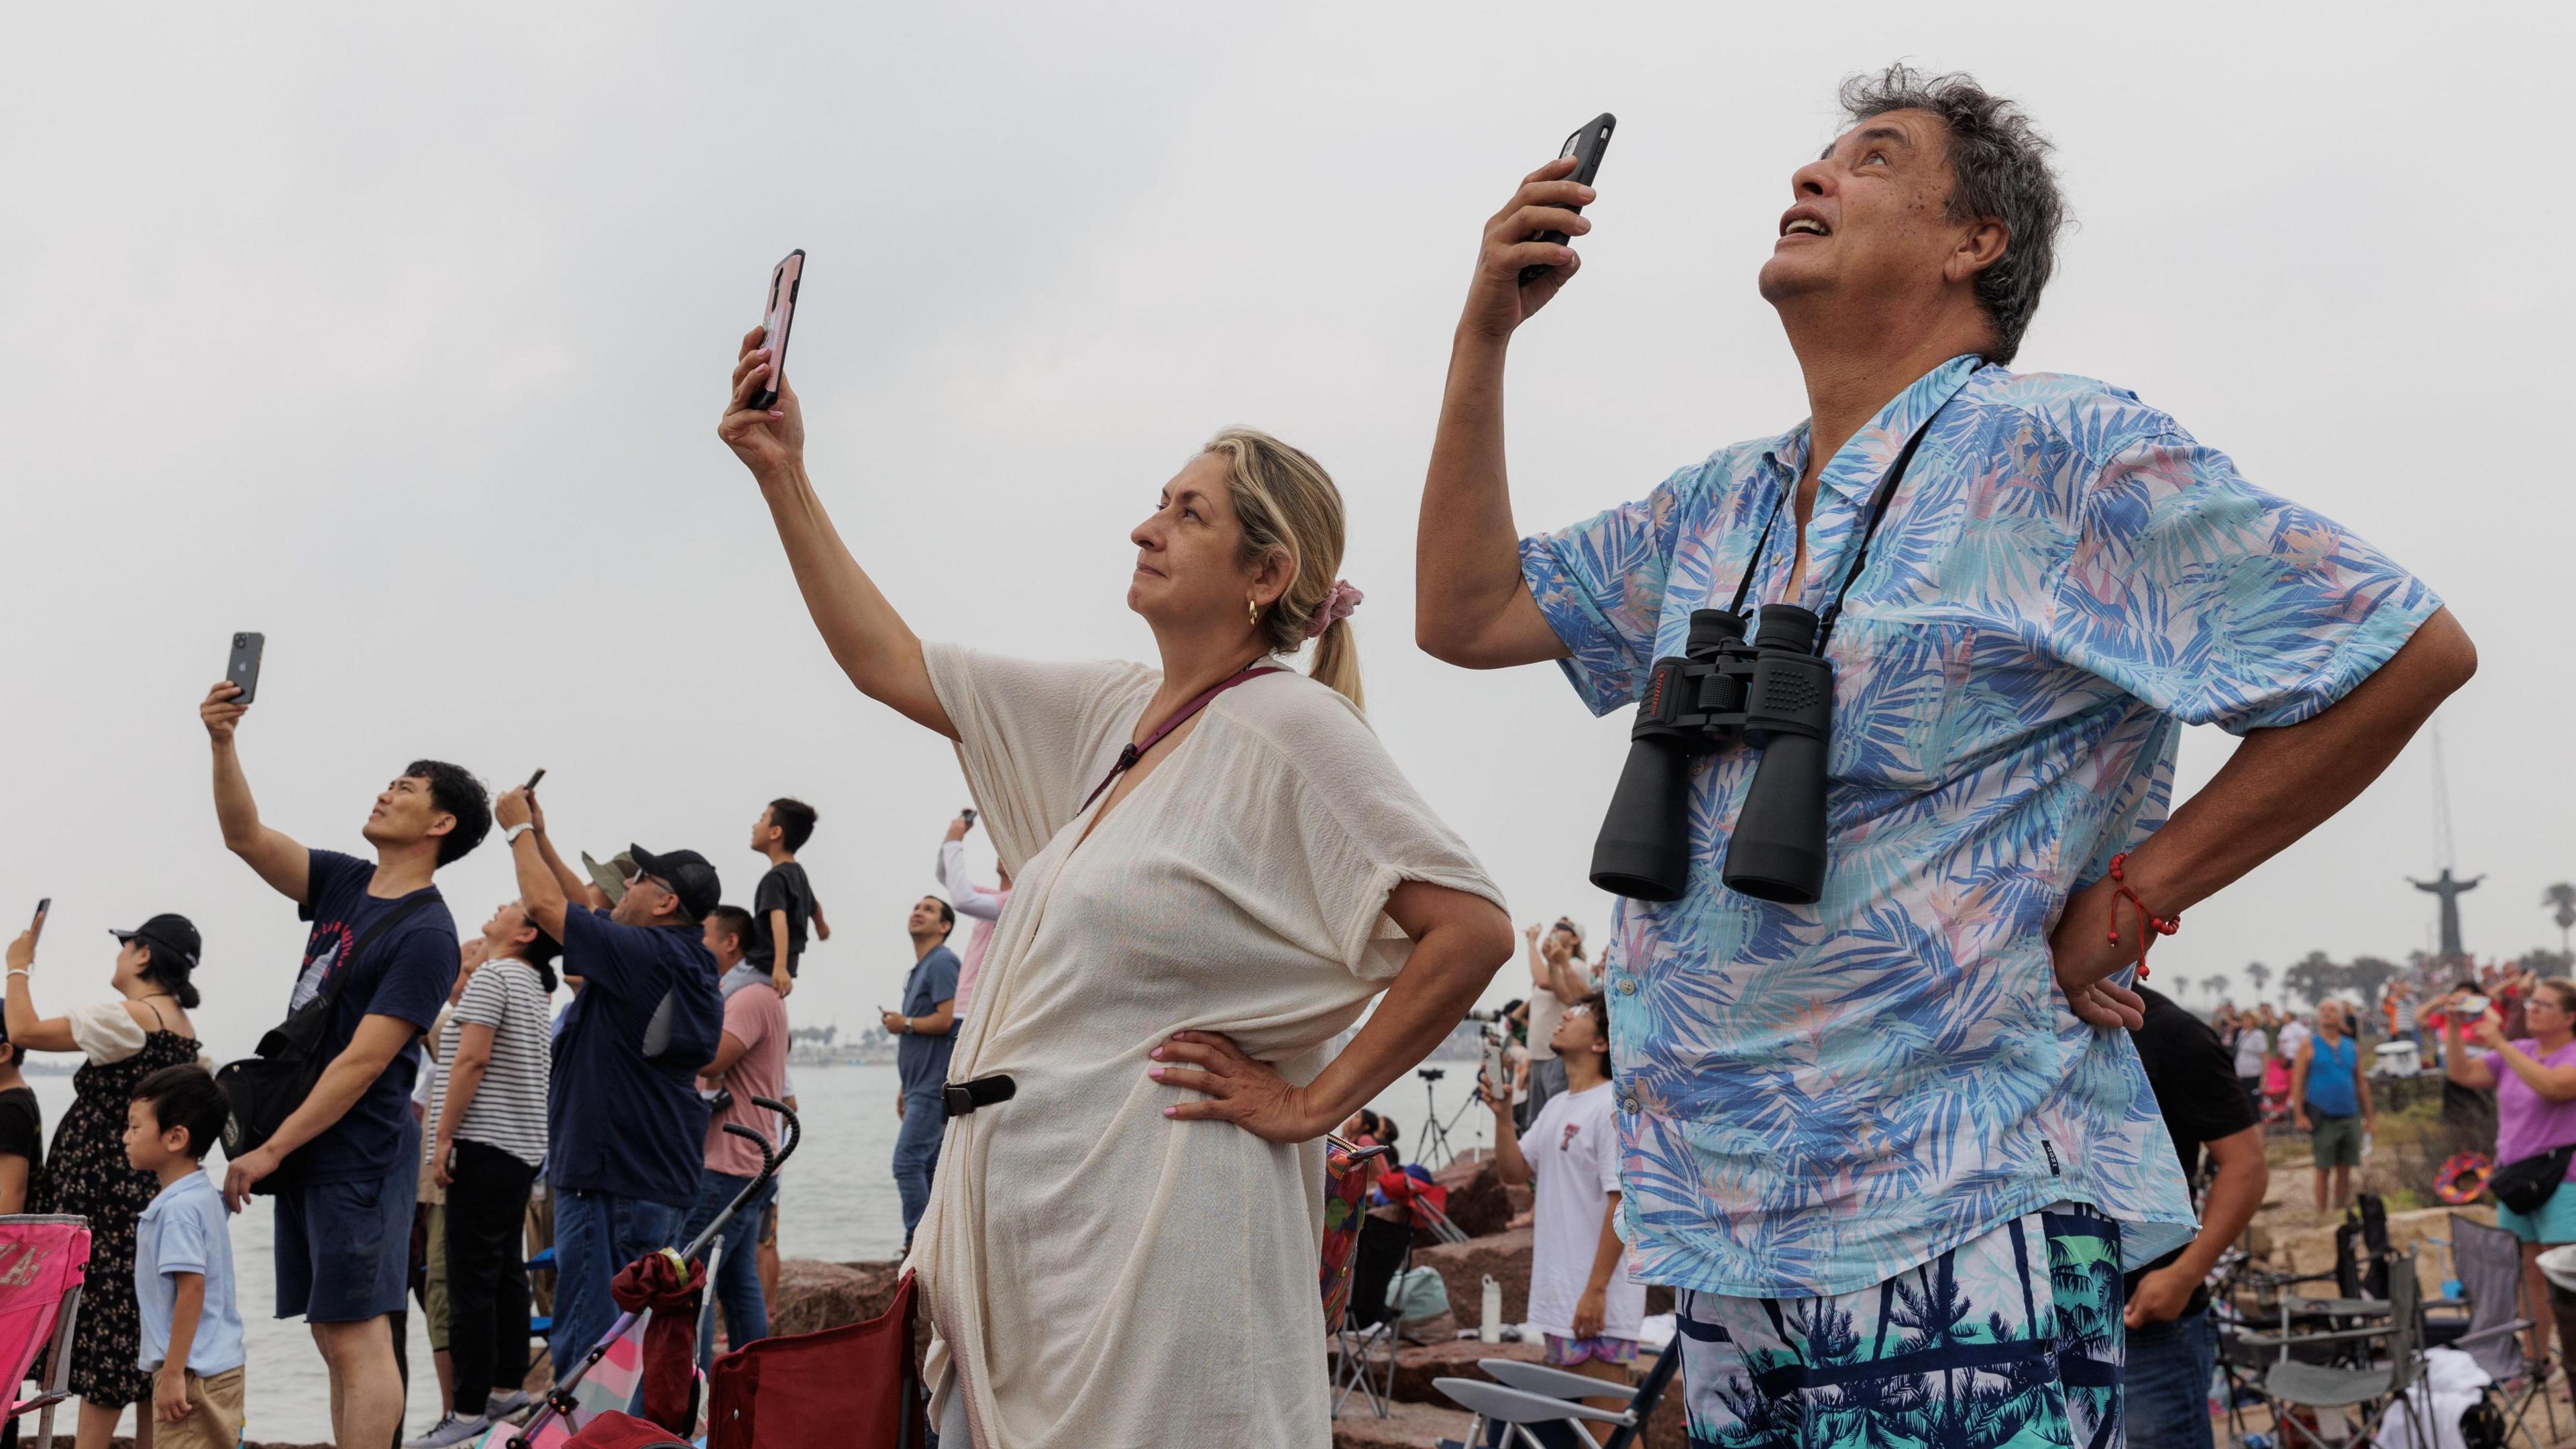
(1435, 1133)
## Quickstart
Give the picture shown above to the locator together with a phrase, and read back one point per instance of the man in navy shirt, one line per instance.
(926, 1029)
(345, 1164)
(626, 1131)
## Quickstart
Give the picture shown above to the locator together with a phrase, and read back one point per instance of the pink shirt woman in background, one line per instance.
(975, 902)
(2534, 1079)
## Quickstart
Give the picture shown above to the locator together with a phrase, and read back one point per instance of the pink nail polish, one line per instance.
(1171, 1111)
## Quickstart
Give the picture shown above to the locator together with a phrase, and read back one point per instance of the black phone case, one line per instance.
(244, 667)
(778, 358)
(1589, 145)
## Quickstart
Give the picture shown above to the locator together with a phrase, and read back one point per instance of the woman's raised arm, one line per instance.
(867, 637)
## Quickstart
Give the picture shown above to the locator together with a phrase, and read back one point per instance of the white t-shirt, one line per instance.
(1545, 1011)
(2251, 1044)
(2294, 1035)
(1573, 1148)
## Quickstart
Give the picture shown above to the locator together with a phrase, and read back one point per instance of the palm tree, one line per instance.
(2562, 898)
(2181, 984)
(2215, 985)
(2258, 973)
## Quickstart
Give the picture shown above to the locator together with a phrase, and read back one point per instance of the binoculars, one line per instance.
(1775, 694)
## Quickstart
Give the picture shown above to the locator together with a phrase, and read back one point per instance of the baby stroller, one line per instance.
(565, 1401)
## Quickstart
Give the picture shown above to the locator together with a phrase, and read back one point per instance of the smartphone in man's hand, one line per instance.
(1587, 146)
(36, 928)
(243, 668)
(778, 321)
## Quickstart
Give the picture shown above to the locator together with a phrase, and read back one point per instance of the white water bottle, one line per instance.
(1490, 1326)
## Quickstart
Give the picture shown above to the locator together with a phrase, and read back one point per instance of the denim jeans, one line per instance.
(596, 1235)
(2167, 1383)
(916, 1153)
(737, 1284)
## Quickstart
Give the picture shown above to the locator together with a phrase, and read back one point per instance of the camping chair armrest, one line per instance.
(2338, 1335)
(2484, 1334)
(1538, 1378)
(1515, 1406)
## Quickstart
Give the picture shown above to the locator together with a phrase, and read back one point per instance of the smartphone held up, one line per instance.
(1587, 146)
(778, 320)
(243, 667)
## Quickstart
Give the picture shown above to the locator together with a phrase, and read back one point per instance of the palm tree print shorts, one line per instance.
(2010, 1341)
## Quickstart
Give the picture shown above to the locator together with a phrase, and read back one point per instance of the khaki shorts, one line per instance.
(2337, 1141)
(214, 1415)
(434, 1290)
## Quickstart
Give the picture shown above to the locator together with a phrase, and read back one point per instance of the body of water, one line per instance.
(837, 1203)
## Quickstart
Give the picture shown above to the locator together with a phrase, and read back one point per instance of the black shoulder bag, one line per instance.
(2526, 1184)
(266, 1089)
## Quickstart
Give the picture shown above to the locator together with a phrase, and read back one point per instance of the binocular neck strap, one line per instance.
(1860, 556)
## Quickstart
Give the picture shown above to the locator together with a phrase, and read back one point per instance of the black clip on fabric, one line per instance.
(962, 1098)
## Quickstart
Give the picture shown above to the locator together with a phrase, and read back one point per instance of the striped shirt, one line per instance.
(509, 1108)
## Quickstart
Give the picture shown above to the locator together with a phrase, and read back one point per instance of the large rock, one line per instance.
(1416, 1367)
(1478, 1202)
(1406, 1426)
(1463, 1266)
(814, 1296)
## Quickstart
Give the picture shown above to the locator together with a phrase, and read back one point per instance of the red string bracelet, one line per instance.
(2148, 921)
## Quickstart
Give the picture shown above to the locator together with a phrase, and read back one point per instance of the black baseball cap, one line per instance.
(687, 874)
(171, 932)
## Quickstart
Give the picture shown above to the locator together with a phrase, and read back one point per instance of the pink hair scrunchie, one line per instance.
(1338, 602)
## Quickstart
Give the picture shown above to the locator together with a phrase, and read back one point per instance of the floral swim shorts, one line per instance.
(2012, 1340)
(1567, 1352)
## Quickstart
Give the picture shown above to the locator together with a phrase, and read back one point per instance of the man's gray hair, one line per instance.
(1999, 168)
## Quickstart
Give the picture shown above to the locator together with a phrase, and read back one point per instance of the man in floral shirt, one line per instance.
(1894, 1145)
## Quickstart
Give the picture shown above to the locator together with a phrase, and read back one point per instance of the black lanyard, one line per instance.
(1860, 556)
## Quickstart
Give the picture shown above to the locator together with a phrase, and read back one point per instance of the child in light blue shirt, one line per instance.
(183, 1263)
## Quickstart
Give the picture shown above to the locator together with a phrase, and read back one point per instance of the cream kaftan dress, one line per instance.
(1099, 1274)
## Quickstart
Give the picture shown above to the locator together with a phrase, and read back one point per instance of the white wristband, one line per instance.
(510, 833)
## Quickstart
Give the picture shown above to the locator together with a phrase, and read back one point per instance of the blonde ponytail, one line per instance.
(1288, 504)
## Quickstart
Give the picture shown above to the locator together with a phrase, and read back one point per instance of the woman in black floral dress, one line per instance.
(144, 1028)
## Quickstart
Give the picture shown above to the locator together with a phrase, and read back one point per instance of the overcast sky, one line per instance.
(401, 336)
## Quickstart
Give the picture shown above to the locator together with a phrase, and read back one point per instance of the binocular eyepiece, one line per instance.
(1775, 694)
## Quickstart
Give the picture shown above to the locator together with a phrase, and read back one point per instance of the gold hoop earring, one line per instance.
(1252, 611)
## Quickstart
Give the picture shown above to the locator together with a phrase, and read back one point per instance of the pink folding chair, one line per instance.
(43, 1262)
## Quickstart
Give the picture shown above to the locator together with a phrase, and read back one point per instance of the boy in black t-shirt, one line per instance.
(344, 1166)
(22, 1131)
(784, 903)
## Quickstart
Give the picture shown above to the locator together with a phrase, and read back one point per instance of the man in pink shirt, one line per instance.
(750, 1061)
(974, 902)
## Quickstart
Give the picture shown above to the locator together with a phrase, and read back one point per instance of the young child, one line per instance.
(183, 1263)
(784, 904)
(1579, 1296)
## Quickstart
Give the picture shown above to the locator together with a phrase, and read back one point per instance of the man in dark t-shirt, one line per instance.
(783, 908)
(2172, 1349)
(625, 1129)
(345, 1164)
(925, 1032)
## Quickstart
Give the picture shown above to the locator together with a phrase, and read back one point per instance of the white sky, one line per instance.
(401, 337)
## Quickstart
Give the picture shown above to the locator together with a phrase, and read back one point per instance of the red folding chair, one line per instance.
(43, 1263)
(852, 1385)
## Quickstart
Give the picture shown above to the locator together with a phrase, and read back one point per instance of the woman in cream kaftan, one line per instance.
(1099, 1274)
(1125, 1251)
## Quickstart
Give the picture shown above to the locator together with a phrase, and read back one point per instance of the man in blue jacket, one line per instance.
(625, 1126)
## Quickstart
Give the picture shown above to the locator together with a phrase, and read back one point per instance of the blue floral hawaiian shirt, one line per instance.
(1813, 1099)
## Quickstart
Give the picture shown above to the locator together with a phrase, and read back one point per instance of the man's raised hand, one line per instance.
(220, 714)
(1497, 303)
